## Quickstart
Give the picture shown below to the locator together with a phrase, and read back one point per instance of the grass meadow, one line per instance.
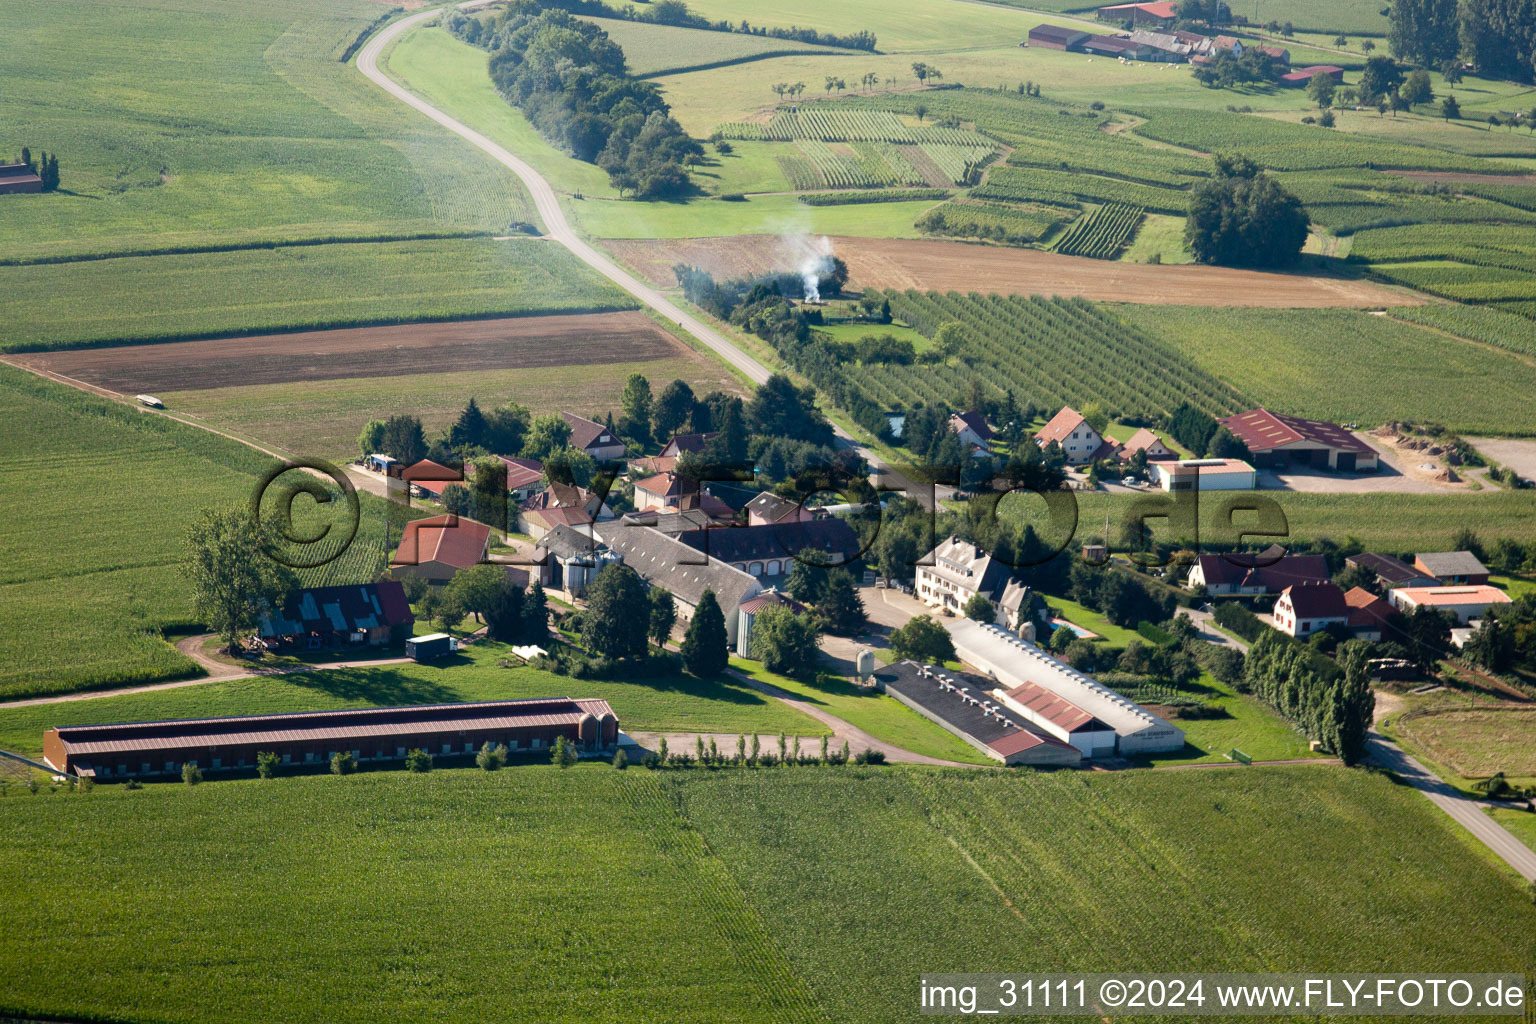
(1311, 362)
(160, 298)
(730, 895)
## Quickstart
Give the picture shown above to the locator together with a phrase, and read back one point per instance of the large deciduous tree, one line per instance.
(1424, 31)
(1242, 217)
(614, 625)
(233, 578)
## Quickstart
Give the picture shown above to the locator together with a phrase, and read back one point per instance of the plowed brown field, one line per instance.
(957, 266)
(394, 351)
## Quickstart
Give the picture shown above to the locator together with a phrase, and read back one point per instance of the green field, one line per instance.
(200, 123)
(1311, 362)
(595, 895)
(1381, 522)
(144, 298)
(651, 50)
(98, 497)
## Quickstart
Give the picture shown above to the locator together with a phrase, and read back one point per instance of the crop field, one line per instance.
(1059, 186)
(1479, 323)
(884, 151)
(1310, 363)
(98, 497)
(1101, 234)
(1461, 281)
(956, 266)
(1477, 743)
(826, 123)
(1009, 223)
(1403, 522)
(145, 298)
(651, 50)
(1050, 352)
(272, 137)
(952, 869)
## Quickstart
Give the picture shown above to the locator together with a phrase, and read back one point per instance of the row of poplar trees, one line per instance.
(1329, 705)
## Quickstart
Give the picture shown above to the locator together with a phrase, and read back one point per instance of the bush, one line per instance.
(563, 753)
(1235, 618)
(620, 759)
(491, 757)
(651, 760)
(343, 763)
(266, 763)
(418, 761)
(191, 774)
(923, 639)
(867, 756)
(134, 784)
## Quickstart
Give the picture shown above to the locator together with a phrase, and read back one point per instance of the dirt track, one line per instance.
(1466, 178)
(957, 266)
(400, 350)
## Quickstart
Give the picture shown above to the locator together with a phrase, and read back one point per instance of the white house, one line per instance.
(1080, 442)
(957, 571)
(1306, 608)
(1210, 474)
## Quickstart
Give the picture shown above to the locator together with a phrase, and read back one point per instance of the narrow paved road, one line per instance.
(1467, 812)
(544, 200)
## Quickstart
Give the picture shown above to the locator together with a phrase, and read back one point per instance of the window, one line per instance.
(512, 744)
(218, 762)
(170, 766)
(144, 767)
(309, 755)
(447, 748)
(469, 748)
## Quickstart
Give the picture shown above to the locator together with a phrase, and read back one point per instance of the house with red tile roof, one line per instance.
(1305, 608)
(594, 438)
(436, 549)
(1368, 614)
(1078, 440)
(1159, 12)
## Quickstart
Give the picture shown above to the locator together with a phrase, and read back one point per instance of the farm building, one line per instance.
(1116, 46)
(1073, 707)
(1466, 603)
(16, 178)
(594, 438)
(672, 522)
(669, 491)
(429, 478)
(1452, 567)
(1269, 572)
(569, 558)
(1054, 37)
(1391, 572)
(1159, 12)
(525, 477)
(1145, 441)
(771, 550)
(369, 614)
(747, 612)
(1368, 614)
(1278, 54)
(1203, 475)
(1078, 440)
(560, 504)
(436, 549)
(1281, 441)
(768, 508)
(692, 444)
(956, 571)
(685, 573)
(963, 705)
(972, 428)
(1305, 608)
(1299, 78)
(373, 735)
(1166, 46)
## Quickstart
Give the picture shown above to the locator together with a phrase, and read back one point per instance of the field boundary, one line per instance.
(196, 250)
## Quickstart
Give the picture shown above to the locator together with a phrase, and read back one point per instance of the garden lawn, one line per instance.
(676, 703)
(1249, 725)
(883, 717)
(1115, 636)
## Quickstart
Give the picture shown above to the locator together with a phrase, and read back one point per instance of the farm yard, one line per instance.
(955, 266)
(713, 868)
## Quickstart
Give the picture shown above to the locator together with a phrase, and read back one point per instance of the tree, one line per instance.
(191, 774)
(785, 642)
(1449, 108)
(371, 440)
(1242, 217)
(620, 759)
(610, 627)
(663, 615)
(1326, 119)
(1450, 70)
(1491, 645)
(949, 338)
(569, 466)
(923, 639)
(477, 589)
(343, 763)
(704, 645)
(535, 614)
(807, 579)
(1381, 77)
(672, 409)
(564, 752)
(779, 89)
(418, 761)
(980, 609)
(267, 763)
(1416, 87)
(636, 405)
(1428, 635)
(49, 172)
(1321, 88)
(1368, 46)
(1225, 445)
(780, 409)
(469, 428)
(1423, 31)
(921, 72)
(403, 439)
(840, 610)
(491, 756)
(546, 434)
(1499, 37)
(234, 580)
(505, 429)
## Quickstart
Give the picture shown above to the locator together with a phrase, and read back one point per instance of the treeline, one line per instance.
(46, 167)
(1332, 704)
(571, 81)
(676, 13)
(1201, 434)
(1498, 37)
